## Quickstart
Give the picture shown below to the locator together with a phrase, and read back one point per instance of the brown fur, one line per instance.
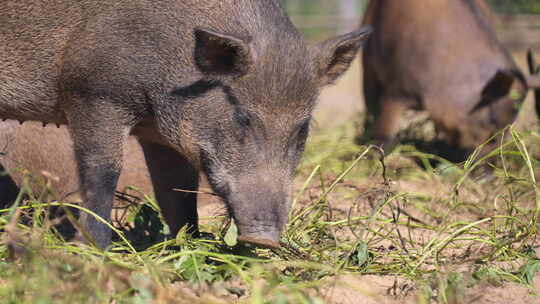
(225, 88)
(48, 152)
(444, 57)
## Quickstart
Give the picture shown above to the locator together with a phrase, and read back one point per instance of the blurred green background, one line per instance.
(319, 18)
(516, 6)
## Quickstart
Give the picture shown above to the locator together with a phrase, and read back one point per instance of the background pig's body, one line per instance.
(222, 87)
(36, 149)
(442, 56)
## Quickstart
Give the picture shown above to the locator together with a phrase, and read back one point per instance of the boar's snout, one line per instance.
(260, 223)
(260, 213)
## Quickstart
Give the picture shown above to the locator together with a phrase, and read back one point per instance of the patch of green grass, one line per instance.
(443, 227)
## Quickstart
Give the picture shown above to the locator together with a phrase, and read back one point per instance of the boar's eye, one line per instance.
(242, 118)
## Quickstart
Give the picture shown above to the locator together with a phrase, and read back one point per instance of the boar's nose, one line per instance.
(266, 239)
(259, 207)
(260, 224)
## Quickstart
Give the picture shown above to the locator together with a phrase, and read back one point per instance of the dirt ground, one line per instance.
(391, 290)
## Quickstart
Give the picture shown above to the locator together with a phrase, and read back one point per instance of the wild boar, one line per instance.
(225, 88)
(441, 56)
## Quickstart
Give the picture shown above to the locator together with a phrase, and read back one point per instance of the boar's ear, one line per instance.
(218, 54)
(533, 80)
(498, 86)
(337, 54)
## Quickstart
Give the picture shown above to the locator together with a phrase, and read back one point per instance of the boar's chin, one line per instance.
(262, 236)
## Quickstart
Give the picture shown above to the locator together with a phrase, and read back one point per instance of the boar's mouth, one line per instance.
(263, 243)
(265, 239)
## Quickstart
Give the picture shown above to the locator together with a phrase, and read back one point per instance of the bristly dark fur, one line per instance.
(196, 89)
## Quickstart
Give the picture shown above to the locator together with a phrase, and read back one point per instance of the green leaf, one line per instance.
(361, 254)
(515, 94)
(231, 237)
(489, 275)
(528, 270)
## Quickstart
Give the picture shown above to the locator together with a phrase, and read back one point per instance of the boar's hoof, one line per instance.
(259, 242)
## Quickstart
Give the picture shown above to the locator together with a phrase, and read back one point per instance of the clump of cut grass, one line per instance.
(439, 226)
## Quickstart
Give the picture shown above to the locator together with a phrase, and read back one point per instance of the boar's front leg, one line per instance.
(8, 188)
(99, 132)
(372, 94)
(170, 170)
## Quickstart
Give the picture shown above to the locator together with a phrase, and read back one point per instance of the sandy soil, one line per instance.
(392, 290)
